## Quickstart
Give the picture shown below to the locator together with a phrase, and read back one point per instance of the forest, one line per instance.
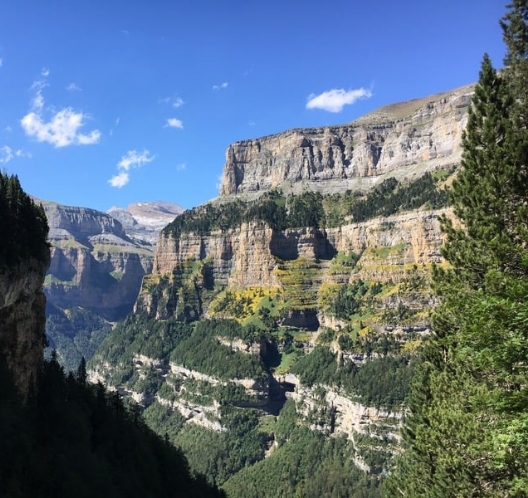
(65, 436)
(312, 209)
(75, 438)
(23, 226)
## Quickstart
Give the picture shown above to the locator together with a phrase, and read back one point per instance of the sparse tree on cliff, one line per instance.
(467, 431)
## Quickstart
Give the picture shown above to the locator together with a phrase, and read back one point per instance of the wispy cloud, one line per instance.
(1, 62)
(173, 101)
(221, 86)
(181, 167)
(22, 153)
(334, 100)
(62, 129)
(132, 159)
(72, 87)
(177, 102)
(174, 123)
(45, 72)
(7, 153)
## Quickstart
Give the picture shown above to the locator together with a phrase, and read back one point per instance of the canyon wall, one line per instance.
(401, 140)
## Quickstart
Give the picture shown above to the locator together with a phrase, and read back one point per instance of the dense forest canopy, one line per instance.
(23, 225)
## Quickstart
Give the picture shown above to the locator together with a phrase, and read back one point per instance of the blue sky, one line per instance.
(109, 102)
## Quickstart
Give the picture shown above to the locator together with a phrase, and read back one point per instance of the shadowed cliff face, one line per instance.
(22, 321)
(404, 139)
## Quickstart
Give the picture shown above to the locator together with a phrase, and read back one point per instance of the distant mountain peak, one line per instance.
(144, 220)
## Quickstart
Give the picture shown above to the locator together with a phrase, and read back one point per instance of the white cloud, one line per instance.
(37, 103)
(6, 154)
(45, 72)
(1, 62)
(62, 129)
(72, 87)
(221, 86)
(334, 100)
(181, 167)
(174, 123)
(132, 159)
(23, 153)
(119, 180)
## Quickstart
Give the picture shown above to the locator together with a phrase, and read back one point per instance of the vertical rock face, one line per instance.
(22, 321)
(401, 139)
(94, 264)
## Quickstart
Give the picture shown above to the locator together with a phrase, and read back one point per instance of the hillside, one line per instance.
(281, 323)
(98, 261)
(59, 434)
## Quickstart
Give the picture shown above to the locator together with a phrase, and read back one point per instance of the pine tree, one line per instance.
(467, 432)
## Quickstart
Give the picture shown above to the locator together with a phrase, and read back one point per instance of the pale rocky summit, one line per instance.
(143, 221)
(400, 140)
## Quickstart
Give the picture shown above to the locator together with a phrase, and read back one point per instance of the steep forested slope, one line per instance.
(60, 436)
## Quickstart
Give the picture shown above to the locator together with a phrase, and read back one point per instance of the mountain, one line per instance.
(98, 261)
(143, 221)
(399, 140)
(276, 336)
(59, 434)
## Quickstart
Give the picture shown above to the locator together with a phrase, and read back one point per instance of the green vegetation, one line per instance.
(201, 351)
(467, 430)
(23, 226)
(382, 382)
(220, 455)
(183, 293)
(306, 463)
(297, 278)
(74, 333)
(73, 437)
(388, 198)
(312, 209)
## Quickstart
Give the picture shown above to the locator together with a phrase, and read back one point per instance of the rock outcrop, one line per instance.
(402, 140)
(22, 321)
(143, 221)
(94, 264)
(251, 254)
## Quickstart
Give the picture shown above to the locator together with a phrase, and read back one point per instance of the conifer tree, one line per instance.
(467, 432)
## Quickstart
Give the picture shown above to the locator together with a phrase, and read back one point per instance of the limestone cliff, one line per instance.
(94, 264)
(402, 140)
(254, 255)
(22, 320)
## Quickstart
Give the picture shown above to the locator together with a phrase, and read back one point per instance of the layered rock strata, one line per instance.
(402, 140)
(94, 264)
(248, 255)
